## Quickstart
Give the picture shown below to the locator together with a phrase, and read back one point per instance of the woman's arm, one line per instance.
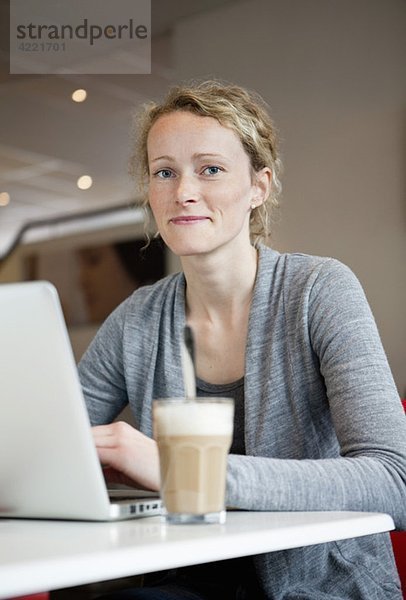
(370, 472)
(101, 371)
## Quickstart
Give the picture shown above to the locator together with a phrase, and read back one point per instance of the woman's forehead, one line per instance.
(183, 127)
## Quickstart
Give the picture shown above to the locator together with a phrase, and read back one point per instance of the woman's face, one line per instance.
(200, 185)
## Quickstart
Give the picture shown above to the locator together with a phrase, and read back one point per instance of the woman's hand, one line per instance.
(127, 456)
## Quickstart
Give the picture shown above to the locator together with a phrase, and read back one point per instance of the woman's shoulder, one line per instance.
(297, 271)
(144, 297)
(160, 288)
(142, 309)
(148, 297)
(299, 263)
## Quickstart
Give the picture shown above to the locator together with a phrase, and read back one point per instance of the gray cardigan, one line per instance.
(324, 427)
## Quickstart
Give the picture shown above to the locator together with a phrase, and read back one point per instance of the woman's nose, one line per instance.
(187, 190)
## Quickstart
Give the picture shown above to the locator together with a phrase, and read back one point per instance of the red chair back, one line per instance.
(42, 596)
(399, 548)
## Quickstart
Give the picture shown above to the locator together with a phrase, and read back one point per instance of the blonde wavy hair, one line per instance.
(232, 106)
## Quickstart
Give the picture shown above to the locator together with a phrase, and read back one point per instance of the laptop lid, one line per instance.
(49, 466)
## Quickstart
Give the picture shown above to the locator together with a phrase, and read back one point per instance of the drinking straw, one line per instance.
(188, 362)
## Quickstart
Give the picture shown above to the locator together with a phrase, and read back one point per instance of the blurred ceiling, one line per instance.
(47, 141)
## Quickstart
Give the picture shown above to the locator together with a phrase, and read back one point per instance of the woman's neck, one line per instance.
(220, 285)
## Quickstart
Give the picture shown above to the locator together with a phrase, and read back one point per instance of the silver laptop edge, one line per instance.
(48, 462)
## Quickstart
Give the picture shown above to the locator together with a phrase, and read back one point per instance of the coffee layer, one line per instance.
(193, 470)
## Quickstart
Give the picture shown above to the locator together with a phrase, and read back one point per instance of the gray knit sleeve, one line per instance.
(101, 370)
(368, 473)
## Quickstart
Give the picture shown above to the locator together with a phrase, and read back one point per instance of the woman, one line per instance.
(318, 424)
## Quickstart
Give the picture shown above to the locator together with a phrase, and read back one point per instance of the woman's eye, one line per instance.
(212, 170)
(164, 173)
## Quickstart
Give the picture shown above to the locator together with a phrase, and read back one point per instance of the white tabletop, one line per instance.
(46, 555)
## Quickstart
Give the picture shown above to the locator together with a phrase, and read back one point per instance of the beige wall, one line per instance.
(333, 74)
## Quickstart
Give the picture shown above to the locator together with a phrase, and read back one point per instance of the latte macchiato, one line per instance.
(194, 438)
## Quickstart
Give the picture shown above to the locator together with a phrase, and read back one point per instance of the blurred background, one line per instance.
(333, 74)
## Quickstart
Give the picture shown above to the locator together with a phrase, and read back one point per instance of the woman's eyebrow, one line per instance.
(208, 155)
(196, 155)
(163, 157)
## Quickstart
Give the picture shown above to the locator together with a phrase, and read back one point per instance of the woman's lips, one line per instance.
(188, 220)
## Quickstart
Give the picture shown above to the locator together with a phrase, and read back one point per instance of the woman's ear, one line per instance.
(262, 185)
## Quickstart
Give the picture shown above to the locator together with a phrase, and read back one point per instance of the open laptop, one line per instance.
(49, 467)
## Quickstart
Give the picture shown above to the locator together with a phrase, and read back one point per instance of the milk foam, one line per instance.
(194, 418)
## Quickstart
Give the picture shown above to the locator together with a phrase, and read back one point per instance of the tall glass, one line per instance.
(194, 437)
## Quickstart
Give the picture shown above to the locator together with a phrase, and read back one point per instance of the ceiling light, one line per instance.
(84, 182)
(4, 198)
(79, 95)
